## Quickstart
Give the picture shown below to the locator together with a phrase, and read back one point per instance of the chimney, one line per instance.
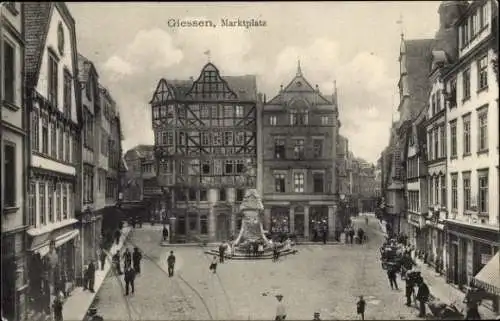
(265, 99)
(260, 97)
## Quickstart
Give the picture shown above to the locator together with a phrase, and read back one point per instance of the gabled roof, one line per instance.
(140, 151)
(37, 16)
(84, 68)
(37, 21)
(299, 84)
(244, 87)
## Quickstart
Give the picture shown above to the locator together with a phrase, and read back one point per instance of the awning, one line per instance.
(44, 249)
(488, 278)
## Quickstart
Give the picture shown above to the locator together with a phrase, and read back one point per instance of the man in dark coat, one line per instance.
(102, 258)
(409, 290)
(136, 258)
(222, 249)
(171, 264)
(129, 280)
(422, 296)
(116, 263)
(391, 275)
(127, 258)
(91, 275)
(361, 235)
(117, 236)
(324, 235)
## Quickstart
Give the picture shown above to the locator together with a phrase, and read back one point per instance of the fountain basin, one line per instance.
(238, 255)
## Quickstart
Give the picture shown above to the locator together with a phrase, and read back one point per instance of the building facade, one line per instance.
(472, 149)
(416, 183)
(205, 136)
(142, 183)
(14, 142)
(299, 154)
(415, 59)
(53, 193)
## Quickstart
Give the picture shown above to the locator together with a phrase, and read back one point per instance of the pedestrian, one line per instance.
(316, 316)
(102, 258)
(129, 280)
(127, 259)
(57, 306)
(422, 296)
(361, 235)
(117, 236)
(351, 234)
(324, 236)
(221, 252)
(409, 290)
(85, 277)
(171, 264)
(116, 263)
(366, 220)
(213, 265)
(136, 258)
(280, 309)
(391, 275)
(91, 275)
(165, 233)
(360, 307)
(276, 253)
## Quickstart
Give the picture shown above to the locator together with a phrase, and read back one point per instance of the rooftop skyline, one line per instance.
(336, 41)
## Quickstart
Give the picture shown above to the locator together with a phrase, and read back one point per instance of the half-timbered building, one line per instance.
(299, 152)
(205, 133)
(51, 80)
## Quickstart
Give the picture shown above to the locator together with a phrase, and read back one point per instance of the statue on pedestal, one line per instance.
(251, 209)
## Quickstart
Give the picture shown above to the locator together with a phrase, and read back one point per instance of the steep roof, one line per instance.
(244, 87)
(140, 151)
(37, 21)
(84, 67)
(418, 65)
(300, 85)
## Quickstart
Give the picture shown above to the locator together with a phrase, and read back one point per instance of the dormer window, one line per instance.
(60, 38)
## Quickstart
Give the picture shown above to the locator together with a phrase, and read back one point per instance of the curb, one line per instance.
(97, 286)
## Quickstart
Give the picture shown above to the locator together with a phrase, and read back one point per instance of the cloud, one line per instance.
(362, 79)
(149, 50)
(118, 66)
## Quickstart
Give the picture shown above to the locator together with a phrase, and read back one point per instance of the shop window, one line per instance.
(280, 220)
(203, 224)
(193, 220)
(203, 195)
(240, 194)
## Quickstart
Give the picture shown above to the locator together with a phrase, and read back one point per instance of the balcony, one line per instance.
(293, 197)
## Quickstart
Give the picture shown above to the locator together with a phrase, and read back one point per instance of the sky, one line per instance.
(354, 43)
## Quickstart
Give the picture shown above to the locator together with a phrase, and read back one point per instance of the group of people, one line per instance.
(131, 267)
(354, 236)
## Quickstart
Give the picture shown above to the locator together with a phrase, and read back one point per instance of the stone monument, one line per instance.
(251, 209)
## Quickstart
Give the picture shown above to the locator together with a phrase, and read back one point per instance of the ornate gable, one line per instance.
(162, 93)
(210, 86)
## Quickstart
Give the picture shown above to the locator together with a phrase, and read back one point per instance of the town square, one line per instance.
(249, 161)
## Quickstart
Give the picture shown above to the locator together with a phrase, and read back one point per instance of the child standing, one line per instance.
(360, 307)
(213, 265)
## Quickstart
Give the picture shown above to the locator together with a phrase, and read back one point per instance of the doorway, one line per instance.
(223, 226)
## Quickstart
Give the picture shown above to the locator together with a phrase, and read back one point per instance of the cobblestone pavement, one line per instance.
(326, 279)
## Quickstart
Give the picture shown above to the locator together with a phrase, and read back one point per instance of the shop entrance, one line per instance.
(318, 222)
(223, 226)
